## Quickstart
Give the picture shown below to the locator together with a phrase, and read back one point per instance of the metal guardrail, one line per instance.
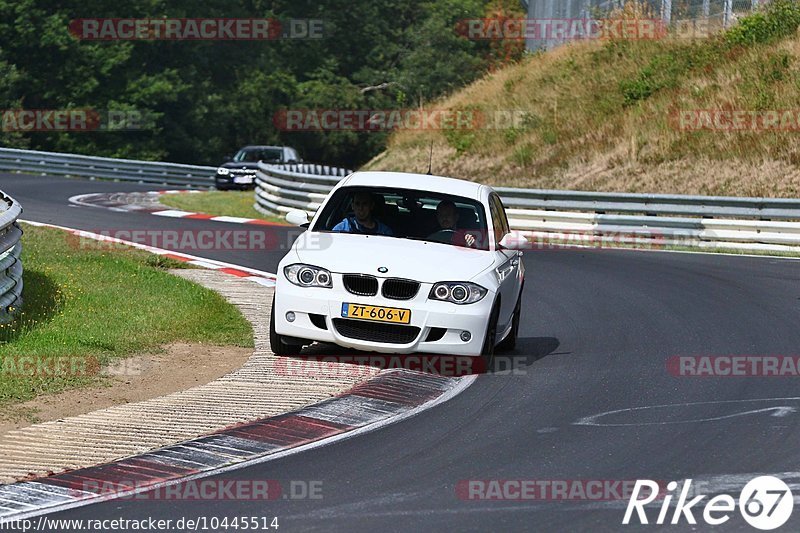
(585, 218)
(10, 262)
(284, 188)
(652, 204)
(546, 215)
(83, 166)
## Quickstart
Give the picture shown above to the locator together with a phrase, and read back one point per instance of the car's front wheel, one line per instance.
(510, 342)
(276, 342)
(487, 353)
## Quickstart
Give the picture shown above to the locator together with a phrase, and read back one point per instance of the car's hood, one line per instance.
(243, 164)
(418, 260)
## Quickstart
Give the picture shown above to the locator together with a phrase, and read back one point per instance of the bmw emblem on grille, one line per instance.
(383, 270)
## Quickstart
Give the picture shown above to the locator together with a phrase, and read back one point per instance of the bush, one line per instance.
(780, 19)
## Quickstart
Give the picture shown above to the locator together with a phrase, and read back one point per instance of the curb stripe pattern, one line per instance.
(388, 395)
(147, 202)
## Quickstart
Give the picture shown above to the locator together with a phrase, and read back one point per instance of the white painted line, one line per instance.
(235, 220)
(262, 281)
(80, 199)
(172, 213)
(778, 411)
(205, 264)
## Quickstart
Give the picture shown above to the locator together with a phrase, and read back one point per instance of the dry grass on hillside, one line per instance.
(603, 116)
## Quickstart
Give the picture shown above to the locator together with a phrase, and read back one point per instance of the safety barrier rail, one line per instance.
(83, 166)
(10, 262)
(548, 217)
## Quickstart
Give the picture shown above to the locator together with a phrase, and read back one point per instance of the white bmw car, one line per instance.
(401, 263)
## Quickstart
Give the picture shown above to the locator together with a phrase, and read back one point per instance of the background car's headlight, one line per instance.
(308, 276)
(457, 292)
(223, 171)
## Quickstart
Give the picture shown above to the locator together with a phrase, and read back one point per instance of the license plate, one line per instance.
(243, 179)
(377, 314)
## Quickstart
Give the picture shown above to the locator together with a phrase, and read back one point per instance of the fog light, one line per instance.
(290, 316)
(466, 336)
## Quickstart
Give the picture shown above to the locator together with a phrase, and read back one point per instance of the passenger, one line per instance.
(447, 217)
(362, 220)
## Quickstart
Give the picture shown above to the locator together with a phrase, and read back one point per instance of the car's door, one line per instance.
(507, 261)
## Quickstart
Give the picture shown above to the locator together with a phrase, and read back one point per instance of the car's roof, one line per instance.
(260, 147)
(421, 182)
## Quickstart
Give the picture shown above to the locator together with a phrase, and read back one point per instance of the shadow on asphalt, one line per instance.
(321, 358)
(527, 352)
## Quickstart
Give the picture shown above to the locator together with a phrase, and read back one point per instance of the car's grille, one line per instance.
(375, 332)
(360, 284)
(400, 289)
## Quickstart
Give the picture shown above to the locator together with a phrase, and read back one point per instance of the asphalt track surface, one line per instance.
(598, 329)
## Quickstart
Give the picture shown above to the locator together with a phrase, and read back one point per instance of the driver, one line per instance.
(363, 221)
(447, 217)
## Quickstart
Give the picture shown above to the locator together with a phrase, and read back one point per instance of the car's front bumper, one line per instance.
(231, 181)
(425, 315)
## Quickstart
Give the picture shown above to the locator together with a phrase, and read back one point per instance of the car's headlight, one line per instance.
(458, 292)
(308, 276)
(223, 171)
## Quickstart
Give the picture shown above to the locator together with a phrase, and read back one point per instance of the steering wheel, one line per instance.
(443, 236)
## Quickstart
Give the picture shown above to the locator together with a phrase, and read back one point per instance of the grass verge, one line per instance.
(219, 203)
(84, 308)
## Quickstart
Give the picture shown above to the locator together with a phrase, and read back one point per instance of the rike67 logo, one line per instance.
(765, 503)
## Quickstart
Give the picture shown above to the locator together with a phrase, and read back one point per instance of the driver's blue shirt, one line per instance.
(351, 225)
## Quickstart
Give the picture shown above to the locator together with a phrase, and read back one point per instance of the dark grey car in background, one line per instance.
(239, 171)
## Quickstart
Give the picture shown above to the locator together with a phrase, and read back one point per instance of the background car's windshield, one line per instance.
(411, 214)
(254, 155)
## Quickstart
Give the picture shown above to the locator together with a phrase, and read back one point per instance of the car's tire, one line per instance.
(510, 342)
(276, 342)
(487, 352)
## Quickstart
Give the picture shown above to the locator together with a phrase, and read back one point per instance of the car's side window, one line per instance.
(503, 216)
(498, 219)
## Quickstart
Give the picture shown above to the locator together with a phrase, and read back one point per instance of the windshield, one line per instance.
(406, 214)
(253, 155)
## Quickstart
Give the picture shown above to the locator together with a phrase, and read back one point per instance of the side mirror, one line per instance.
(297, 218)
(514, 240)
(228, 158)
